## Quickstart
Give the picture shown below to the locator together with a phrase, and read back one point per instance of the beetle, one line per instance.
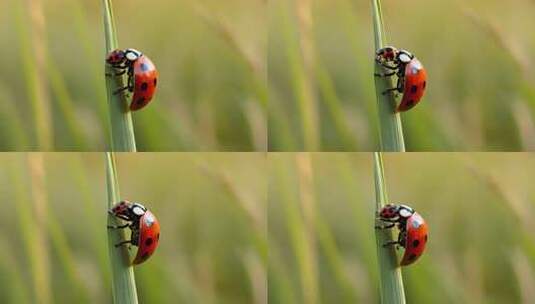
(142, 75)
(144, 226)
(413, 230)
(412, 76)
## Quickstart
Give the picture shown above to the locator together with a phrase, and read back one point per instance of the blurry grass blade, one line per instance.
(33, 50)
(389, 121)
(122, 129)
(65, 104)
(300, 55)
(124, 284)
(12, 131)
(82, 27)
(392, 291)
(41, 263)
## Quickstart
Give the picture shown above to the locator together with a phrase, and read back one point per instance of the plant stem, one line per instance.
(389, 121)
(122, 129)
(124, 284)
(392, 291)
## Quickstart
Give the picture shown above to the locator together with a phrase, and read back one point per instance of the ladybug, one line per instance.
(413, 230)
(144, 226)
(412, 77)
(142, 75)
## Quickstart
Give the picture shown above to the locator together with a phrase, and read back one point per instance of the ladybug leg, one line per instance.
(391, 243)
(387, 66)
(119, 90)
(123, 243)
(119, 227)
(122, 72)
(384, 75)
(388, 226)
(390, 90)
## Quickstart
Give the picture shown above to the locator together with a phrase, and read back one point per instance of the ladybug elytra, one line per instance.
(412, 76)
(142, 75)
(413, 230)
(144, 226)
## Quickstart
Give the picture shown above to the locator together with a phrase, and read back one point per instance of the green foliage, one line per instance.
(123, 280)
(391, 137)
(213, 227)
(463, 262)
(213, 93)
(469, 104)
(390, 273)
(122, 129)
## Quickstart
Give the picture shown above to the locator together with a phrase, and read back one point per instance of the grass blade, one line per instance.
(122, 129)
(389, 121)
(124, 284)
(392, 291)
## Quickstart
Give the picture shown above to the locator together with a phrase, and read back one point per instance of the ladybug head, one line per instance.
(386, 54)
(126, 209)
(116, 57)
(389, 211)
(404, 56)
(395, 212)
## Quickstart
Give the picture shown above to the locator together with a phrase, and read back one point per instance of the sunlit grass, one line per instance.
(123, 280)
(462, 261)
(122, 129)
(213, 93)
(391, 282)
(391, 137)
(470, 105)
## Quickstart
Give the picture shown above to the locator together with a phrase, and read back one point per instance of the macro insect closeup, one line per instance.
(412, 76)
(413, 230)
(144, 226)
(142, 75)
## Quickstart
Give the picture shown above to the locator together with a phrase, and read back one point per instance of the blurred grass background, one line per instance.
(210, 54)
(479, 207)
(480, 94)
(211, 207)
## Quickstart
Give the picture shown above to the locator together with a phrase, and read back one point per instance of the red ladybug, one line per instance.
(412, 77)
(142, 75)
(413, 230)
(144, 226)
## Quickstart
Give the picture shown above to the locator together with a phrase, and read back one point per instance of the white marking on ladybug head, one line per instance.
(132, 54)
(405, 211)
(405, 58)
(139, 209)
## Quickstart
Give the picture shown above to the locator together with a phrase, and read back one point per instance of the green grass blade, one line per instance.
(392, 291)
(122, 129)
(33, 49)
(389, 122)
(124, 284)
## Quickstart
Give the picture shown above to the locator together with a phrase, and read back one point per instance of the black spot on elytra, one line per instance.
(144, 86)
(414, 89)
(155, 81)
(148, 242)
(425, 238)
(410, 102)
(141, 101)
(424, 84)
(415, 243)
(144, 67)
(145, 255)
(412, 257)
